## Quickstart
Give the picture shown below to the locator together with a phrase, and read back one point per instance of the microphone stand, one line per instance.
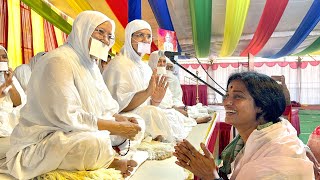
(175, 62)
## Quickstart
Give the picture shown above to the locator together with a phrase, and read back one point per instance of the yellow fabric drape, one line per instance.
(37, 33)
(59, 37)
(316, 53)
(236, 13)
(14, 33)
(73, 7)
(79, 5)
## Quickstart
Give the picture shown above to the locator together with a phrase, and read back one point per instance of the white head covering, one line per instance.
(131, 28)
(79, 36)
(35, 59)
(2, 48)
(153, 59)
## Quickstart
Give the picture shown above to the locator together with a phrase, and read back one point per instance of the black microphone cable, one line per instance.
(208, 74)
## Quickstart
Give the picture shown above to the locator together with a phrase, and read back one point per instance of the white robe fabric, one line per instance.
(34, 60)
(66, 96)
(9, 115)
(180, 124)
(175, 88)
(23, 74)
(126, 75)
(274, 152)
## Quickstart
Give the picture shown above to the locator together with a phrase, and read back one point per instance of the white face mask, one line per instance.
(99, 49)
(161, 70)
(144, 48)
(2, 80)
(4, 66)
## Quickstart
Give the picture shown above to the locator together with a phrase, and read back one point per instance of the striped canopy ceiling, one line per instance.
(264, 28)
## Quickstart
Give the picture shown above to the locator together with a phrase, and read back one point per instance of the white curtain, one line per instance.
(303, 83)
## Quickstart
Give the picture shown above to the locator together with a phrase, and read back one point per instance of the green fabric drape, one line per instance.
(201, 15)
(236, 14)
(315, 46)
(47, 13)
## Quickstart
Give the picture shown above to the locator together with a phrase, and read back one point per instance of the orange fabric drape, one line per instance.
(50, 40)
(26, 33)
(3, 23)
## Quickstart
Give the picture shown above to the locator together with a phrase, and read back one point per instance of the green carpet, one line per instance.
(309, 120)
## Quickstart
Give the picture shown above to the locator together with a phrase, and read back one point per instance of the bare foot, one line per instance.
(123, 165)
(203, 119)
(159, 138)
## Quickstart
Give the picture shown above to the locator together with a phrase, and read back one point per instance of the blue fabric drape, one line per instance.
(306, 26)
(162, 15)
(134, 10)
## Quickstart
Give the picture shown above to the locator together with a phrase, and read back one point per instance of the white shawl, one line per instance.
(274, 152)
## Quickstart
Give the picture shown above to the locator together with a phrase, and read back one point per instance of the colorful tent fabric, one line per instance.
(249, 26)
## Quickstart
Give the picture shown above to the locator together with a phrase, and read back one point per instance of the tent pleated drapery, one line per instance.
(306, 26)
(162, 15)
(15, 19)
(236, 13)
(269, 20)
(37, 33)
(201, 16)
(14, 33)
(26, 34)
(3, 23)
(45, 11)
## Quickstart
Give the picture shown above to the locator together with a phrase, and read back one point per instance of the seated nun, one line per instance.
(174, 97)
(71, 121)
(135, 86)
(12, 96)
(180, 124)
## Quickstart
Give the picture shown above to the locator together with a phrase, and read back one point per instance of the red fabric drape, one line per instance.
(50, 40)
(269, 20)
(120, 9)
(3, 23)
(190, 94)
(26, 33)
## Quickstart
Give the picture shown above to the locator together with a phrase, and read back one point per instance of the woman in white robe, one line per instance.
(174, 93)
(133, 84)
(12, 98)
(70, 114)
(180, 124)
(267, 146)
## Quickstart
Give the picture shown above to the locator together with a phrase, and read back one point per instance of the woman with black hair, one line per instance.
(267, 146)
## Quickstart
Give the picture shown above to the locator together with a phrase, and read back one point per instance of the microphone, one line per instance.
(170, 54)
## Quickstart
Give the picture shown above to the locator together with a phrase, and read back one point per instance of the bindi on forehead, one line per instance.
(231, 87)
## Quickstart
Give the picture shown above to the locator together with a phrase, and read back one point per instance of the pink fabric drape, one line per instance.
(3, 23)
(269, 20)
(26, 33)
(50, 40)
